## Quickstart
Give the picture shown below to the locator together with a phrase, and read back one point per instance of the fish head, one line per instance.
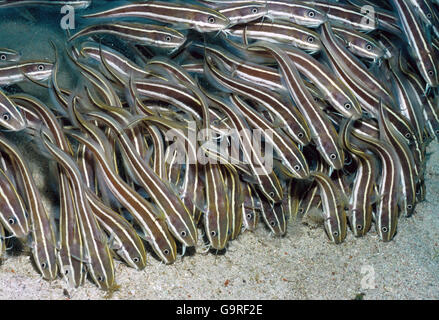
(37, 71)
(10, 116)
(308, 16)
(209, 21)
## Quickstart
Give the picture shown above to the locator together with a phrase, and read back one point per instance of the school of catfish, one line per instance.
(342, 93)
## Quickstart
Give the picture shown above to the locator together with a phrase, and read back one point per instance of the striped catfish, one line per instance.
(178, 95)
(98, 256)
(425, 11)
(154, 228)
(158, 145)
(118, 62)
(250, 207)
(266, 180)
(275, 218)
(10, 117)
(42, 230)
(352, 65)
(371, 102)
(360, 44)
(408, 108)
(70, 251)
(386, 214)
(420, 49)
(279, 32)
(387, 20)
(294, 191)
(9, 55)
(309, 201)
(71, 245)
(177, 216)
(289, 10)
(347, 15)
(241, 13)
(76, 4)
(408, 105)
(322, 131)
(319, 74)
(172, 166)
(190, 189)
(431, 105)
(216, 213)
(288, 116)
(99, 82)
(139, 33)
(333, 204)
(13, 213)
(123, 237)
(360, 200)
(292, 158)
(135, 135)
(231, 181)
(181, 15)
(172, 68)
(409, 176)
(18, 72)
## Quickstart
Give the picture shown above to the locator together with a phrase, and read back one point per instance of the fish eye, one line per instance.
(66, 272)
(408, 135)
(311, 14)
(11, 220)
(255, 10)
(300, 135)
(249, 216)
(347, 106)
(359, 227)
(213, 233)
(183, 233)
(437, 131)
(44, 265)
(273, 223)
(271, 194)
(301, 210)
(430, 73)
(100, 278)
(333, 156)
(3, 57)
(368, 47)
(310, 39)
(211, 20)
(40, 67)
(6, 116)
(409, 206)
(335, 233)
(429, 15)
(136, 259)
(166, 252)
(384, 229)
(168, 38)
(297, 167)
